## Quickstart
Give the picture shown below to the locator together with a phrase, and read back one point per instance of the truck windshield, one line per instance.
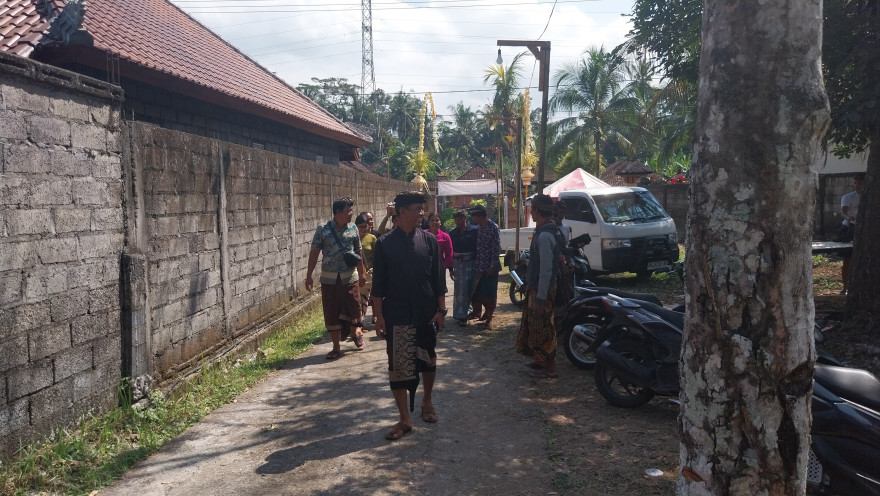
(634, 206)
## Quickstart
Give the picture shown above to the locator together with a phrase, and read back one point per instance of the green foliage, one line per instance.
(851, 66)
(89, 456)
(602, 107)
(670, 30)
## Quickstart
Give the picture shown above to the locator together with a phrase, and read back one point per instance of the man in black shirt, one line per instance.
(409, 304)
(464, 248)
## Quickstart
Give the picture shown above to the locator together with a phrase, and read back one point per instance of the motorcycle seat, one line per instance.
(856, 385)
(671, 316)
(602, 291)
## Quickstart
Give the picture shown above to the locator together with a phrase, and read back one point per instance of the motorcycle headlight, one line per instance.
(610, 244)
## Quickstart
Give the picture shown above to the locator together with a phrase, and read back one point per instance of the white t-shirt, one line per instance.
(566, 231)
(850, 200)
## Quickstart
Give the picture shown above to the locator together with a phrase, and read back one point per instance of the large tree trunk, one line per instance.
(863, 300)
(747, 357)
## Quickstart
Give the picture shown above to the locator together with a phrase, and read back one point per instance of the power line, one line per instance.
(242, 9)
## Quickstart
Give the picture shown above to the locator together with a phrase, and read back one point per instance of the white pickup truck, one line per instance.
(630, 231)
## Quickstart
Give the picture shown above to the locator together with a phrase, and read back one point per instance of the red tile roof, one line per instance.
(614, 173)
(477, 172)
(22, 25)
(155, 34)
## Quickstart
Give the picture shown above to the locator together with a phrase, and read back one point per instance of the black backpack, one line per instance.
(564, 273)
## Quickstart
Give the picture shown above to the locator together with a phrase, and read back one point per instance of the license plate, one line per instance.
(660, 264)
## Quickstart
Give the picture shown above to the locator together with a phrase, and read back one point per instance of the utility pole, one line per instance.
(541, 51)
(368, 72)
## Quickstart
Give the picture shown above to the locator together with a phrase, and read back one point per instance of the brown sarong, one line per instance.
(537, 334)
(341, 303)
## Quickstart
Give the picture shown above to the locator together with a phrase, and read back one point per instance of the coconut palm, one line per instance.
(459, 139)
(506, 81)
(600, 103)
(402, 111)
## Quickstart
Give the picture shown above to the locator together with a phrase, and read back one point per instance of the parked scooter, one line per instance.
(845, 447)
(584, 316)
(639, 358)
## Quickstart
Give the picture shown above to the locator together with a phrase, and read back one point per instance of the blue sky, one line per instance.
(438, 46)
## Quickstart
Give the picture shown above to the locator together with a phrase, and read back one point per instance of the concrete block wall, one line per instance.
(213, 221)
(179, 195)
(127, 248)
(674, 199)
(61, 230)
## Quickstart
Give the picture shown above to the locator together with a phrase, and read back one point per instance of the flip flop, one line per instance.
(397, 431)
(534, 365)
(429, 415)
(333, 355)
(359, 341)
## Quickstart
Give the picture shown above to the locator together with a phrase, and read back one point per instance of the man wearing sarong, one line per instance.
(486, 267)
(537, 332)
(464, 248)
(409, 305)
(340, 297)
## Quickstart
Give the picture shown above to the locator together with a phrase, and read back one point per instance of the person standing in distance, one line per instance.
(340, 297)
(849, 206)
(409, 305)
(486, 266)
(464, 249)
(537, 332)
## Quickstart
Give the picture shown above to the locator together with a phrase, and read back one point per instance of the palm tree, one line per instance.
(402, 110)
(600, 104)
(506, 83)
(459, 139)
(507, 101)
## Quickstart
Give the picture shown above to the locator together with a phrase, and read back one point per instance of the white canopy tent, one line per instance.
(576, 179)
(467, 188)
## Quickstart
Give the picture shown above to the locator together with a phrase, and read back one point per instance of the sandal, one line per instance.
(429, 414)
(397, 431)
(333, 355)
(358, 341)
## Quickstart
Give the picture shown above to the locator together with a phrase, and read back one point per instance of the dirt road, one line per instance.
(317, 427)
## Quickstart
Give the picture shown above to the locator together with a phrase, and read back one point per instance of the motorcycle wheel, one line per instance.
(616, 391)
(517, 295)
(576, 348)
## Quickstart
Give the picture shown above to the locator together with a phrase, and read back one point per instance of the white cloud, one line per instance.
(420, 46)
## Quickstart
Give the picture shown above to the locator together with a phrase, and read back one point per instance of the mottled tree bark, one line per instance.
(747, 357)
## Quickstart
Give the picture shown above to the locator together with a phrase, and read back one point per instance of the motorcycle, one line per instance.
(845, 447)
(584, 317)
(574, 252)
(638, 358)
